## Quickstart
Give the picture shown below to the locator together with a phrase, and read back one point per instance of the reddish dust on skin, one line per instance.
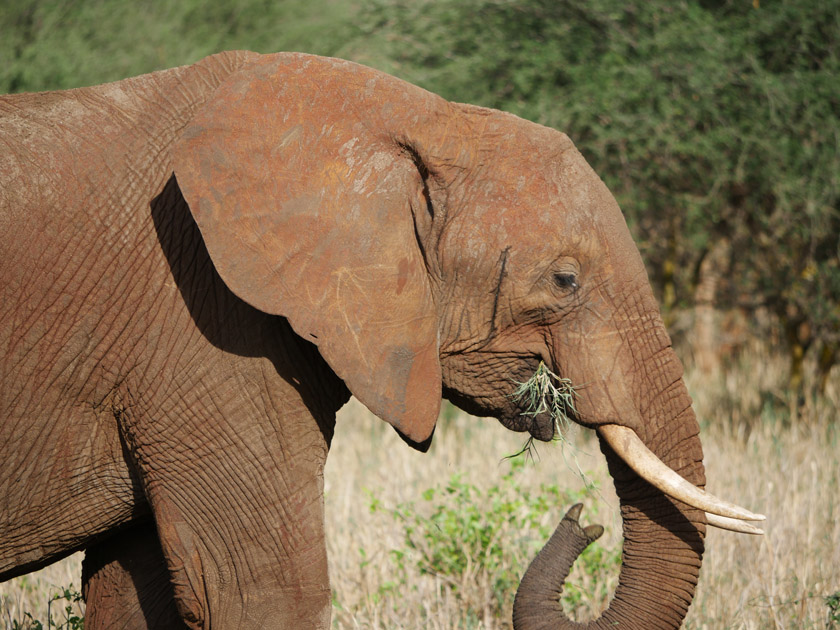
(341, 265)
(411, 240)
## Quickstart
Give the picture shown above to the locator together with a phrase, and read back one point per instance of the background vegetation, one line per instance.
(716, 124)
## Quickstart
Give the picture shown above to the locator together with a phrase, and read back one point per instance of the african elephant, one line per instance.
(201, 265)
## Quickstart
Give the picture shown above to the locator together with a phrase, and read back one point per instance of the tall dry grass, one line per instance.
(756, 455)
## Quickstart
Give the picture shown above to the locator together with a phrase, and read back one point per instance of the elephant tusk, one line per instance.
(732, 524)
(649, 467)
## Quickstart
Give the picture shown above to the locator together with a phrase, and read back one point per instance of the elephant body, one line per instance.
(201, 265)
(128, 364)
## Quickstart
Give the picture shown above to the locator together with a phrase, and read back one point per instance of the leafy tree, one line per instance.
(714, 123)
(56, 44)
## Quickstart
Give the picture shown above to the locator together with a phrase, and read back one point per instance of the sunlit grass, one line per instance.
(755, 455)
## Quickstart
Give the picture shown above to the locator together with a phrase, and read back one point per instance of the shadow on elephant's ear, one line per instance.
(224, 319)
(423, 446)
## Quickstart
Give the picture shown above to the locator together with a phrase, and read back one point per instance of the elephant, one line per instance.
(201, 265)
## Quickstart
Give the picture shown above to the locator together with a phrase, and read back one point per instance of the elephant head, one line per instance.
(430, 248)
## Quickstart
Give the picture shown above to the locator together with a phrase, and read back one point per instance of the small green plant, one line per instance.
(833, 618)
(479, 543)
(72, 618)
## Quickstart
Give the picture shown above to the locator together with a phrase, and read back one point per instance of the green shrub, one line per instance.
(70, 618)
(479, 543)
(832, 602)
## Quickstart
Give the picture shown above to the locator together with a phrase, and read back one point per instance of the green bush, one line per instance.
(70, 618)
(57, 44)
(714, 124)
(479, 543)
(832, 602)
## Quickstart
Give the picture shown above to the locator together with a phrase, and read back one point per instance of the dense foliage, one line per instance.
(716, 123)
(53, 44)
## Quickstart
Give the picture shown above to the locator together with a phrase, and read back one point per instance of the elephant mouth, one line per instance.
(541, 426)
(514, 416)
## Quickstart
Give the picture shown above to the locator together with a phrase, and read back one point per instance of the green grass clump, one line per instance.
(545, 392)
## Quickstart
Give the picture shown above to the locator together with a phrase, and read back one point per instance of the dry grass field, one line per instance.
(474, 518)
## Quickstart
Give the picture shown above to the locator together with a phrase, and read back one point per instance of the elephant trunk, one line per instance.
(663, 537)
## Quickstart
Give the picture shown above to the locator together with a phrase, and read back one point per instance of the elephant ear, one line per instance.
(305, 206)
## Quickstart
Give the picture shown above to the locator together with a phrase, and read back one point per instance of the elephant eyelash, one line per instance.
(566, 281)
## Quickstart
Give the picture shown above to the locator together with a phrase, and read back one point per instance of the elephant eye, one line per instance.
(566, 280)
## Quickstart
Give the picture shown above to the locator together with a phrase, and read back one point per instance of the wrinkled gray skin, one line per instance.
(200, 265)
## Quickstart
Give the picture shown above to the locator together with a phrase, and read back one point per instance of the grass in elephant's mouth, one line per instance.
(546, 392)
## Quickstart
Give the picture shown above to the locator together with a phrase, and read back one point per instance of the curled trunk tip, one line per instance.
(542, 584)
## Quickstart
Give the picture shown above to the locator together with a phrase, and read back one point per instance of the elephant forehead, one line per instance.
(528, 211)
(535, 190)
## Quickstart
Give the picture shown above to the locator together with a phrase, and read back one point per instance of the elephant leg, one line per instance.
(242, 555)
(238, 504)
(126, 583)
